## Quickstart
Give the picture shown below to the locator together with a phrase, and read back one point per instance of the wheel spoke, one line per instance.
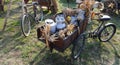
(107, 33)
(110, 6)
(25, 25)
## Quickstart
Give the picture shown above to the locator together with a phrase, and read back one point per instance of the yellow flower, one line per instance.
(68, 18)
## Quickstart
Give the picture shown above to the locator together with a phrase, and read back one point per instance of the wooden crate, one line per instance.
(62, 44)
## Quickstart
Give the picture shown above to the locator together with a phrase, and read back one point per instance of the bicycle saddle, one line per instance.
(104, 18)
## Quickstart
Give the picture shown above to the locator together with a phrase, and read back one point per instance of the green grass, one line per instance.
(15, 49)
(1, 23)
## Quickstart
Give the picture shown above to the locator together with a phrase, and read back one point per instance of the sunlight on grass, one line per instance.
(33, 52)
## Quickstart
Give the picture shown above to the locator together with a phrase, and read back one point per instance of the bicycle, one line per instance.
(27, 18)
(104, 32)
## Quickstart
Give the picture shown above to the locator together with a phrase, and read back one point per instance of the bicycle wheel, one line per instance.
(38, 13)
(107, 33)
(110, 6)
(78, 47)
(25, 25)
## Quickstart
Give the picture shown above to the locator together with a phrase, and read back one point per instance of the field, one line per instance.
(15, 49)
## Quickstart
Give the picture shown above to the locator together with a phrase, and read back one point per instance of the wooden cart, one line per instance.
(61, 44)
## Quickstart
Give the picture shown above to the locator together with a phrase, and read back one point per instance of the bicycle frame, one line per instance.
(102, 24)
(89, 33)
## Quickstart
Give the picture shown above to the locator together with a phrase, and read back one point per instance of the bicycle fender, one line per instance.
(109, 24)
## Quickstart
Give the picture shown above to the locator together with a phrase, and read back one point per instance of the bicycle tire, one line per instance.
(25, 25)
(110, 6)
(78, 47)
(38, 13)
(104, 32)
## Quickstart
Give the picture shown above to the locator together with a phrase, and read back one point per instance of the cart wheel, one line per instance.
(107, 33)
(78, 47)
(110, 6)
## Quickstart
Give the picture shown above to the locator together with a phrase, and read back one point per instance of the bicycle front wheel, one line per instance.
(107, 33)
(78, 47)
(25, 25)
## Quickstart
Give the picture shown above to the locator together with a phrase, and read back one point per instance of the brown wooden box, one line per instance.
(62, 44)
